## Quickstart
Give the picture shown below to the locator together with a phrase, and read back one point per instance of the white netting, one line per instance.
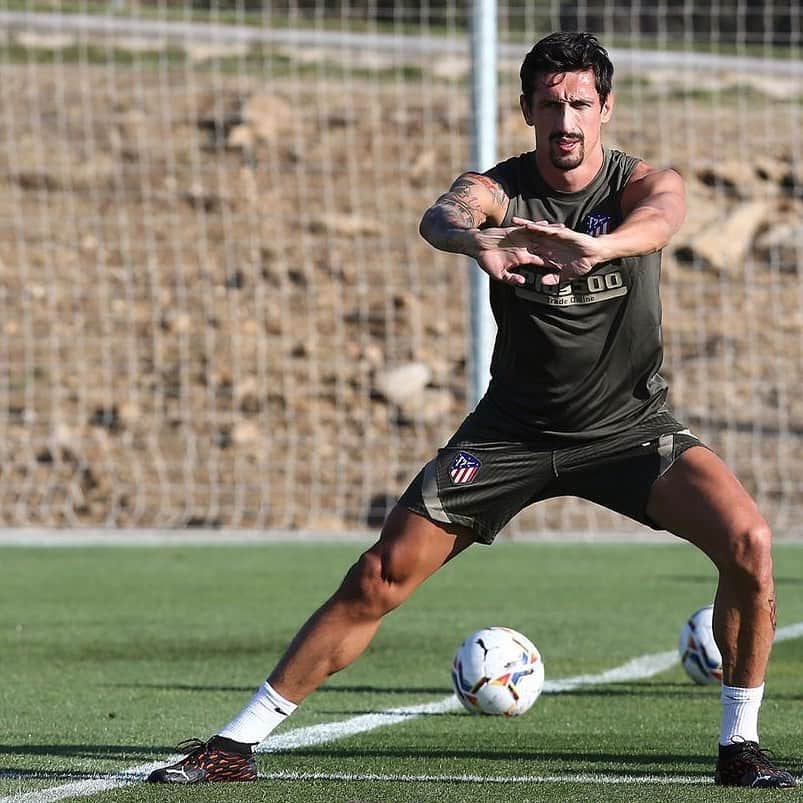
(217, 308)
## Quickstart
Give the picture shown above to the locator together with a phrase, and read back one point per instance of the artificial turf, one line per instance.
(110, 656)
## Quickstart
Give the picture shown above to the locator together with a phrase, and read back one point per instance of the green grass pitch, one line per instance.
(110, 656)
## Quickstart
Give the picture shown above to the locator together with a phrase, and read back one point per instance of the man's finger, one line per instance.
(523, 221)
(531, 224)
(512, 278)
(537, 225)
(536, 259)
(551, 230)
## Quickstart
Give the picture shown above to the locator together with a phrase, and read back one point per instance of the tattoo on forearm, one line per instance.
(444, 223)
(460, 209)
(773, 614)
(451, 210)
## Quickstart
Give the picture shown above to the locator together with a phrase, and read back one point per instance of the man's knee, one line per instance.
(749, 555)
(372, 587)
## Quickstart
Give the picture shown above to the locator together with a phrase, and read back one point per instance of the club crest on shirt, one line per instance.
(597, 224)
(464, 468)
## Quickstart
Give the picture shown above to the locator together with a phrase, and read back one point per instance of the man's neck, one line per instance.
(570, 180)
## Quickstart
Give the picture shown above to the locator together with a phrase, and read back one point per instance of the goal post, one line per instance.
(484, 106)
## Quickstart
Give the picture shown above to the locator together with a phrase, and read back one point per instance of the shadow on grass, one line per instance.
(93, 751)
(13, 774)
(605, 763)
(711, 580)
(250, 689)
(401, 711)
(659, 691)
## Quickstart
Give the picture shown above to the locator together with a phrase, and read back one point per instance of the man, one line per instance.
(571, 235)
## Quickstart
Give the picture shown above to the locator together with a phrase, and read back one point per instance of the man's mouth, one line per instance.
(566, 144)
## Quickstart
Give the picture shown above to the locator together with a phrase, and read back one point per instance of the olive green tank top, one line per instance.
(579, 360)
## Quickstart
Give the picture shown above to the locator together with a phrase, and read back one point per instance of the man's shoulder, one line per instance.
(619, 154)
(622, 161)
(512, 164)
(512, 173)
(620, 169)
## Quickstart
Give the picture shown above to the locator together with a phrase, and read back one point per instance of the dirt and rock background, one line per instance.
(217, 311)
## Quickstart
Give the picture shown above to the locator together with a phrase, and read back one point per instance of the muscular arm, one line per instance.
(453, 222)
(653, 205)
(466, 220)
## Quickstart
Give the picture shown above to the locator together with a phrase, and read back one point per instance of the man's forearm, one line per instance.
(450, 227)
(652, 219)
(645, 231)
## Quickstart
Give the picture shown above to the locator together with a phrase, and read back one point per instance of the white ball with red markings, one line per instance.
(698, 651)
(497, 671)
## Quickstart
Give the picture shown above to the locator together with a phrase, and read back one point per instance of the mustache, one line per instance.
(565, 135)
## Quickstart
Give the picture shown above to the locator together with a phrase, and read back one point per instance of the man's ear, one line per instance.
(525, 110)
(607, 108)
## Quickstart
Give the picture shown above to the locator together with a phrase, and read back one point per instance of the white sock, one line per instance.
(740, 714)
(262, 713)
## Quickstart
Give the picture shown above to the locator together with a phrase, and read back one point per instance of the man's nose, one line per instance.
(565, 117)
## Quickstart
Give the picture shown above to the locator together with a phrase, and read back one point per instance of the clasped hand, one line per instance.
(562, 253)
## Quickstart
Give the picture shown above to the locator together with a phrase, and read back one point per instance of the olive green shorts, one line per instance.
(481, 484)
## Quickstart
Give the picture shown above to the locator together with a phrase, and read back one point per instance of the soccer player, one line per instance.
(571, 235)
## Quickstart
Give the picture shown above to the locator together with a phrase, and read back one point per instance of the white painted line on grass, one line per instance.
(331, 731)
(645, 666)
(789, 632)
(288, 775)
(639, 668)
(642, 667)
(88, 786)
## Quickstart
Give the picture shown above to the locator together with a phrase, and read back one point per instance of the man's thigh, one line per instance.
(620, 473)
(411, 547)
(702, 501)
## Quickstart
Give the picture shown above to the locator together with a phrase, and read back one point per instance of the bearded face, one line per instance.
(567, 115)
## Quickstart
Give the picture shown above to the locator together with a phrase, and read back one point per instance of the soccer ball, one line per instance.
(497, 671)
(698, 651)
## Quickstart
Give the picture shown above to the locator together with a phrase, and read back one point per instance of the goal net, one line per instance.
(217, 310)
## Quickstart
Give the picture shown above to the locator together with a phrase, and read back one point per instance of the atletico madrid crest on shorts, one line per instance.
(464, 468)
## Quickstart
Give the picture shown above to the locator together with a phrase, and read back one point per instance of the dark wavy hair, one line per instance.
(567, 51)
